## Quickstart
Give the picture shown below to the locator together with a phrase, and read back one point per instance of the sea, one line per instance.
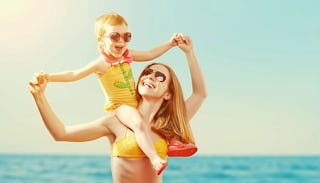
(31, 168)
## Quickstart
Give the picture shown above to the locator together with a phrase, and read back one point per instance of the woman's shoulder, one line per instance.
(113, 124)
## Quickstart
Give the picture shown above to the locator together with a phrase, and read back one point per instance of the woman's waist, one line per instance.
(133, 170)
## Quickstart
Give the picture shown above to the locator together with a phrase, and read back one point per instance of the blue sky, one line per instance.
(260, 60)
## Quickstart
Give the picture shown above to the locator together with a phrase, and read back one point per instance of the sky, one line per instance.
(261, 61)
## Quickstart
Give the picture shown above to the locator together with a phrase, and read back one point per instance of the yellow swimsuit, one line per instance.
(127, 147)
(118, 84)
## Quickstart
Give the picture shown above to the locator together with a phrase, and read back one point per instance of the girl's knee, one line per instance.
(139, 125)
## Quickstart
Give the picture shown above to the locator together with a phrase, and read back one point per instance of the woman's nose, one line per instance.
(151, 76)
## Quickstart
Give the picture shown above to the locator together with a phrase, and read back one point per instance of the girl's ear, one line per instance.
(101, 45)
(167, 96)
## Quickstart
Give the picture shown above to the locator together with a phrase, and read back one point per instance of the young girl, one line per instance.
(115, 75)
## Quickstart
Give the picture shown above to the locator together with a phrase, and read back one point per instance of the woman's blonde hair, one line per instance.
(111, 19)
(171, 121)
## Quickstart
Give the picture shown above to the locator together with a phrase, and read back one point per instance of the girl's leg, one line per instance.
(130, 117)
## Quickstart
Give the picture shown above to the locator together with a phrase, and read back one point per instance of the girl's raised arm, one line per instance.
(74, 75)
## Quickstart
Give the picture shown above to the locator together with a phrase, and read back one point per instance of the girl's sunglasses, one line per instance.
(159, 75)
(115, 36)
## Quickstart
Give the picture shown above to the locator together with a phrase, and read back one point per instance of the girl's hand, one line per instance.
(174, 39)
(44, 75)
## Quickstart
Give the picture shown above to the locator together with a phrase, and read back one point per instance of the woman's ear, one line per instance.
(167, 96)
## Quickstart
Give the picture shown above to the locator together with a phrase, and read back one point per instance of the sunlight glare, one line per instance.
(13, 9)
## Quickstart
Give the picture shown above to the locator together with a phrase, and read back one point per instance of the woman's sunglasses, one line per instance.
(115, 36)
(159, 75)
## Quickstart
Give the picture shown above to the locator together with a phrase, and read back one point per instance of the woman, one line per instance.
(160, 104)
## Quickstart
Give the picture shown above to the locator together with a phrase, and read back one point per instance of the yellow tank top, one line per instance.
(118, 86)
(127, 147)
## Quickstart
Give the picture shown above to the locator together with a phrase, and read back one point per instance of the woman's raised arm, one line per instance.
(199, 88)
(60, 132)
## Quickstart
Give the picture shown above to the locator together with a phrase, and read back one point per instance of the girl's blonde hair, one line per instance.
(171, 121)
(111, 19)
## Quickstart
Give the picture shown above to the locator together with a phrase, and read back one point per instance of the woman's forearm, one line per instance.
(52, 122)
(198, 82)
(72, 133)
(199, 88)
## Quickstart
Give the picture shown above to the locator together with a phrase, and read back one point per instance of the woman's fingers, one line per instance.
(34, 86)
(37, 84)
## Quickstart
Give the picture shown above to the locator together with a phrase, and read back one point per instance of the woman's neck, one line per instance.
(149, 108)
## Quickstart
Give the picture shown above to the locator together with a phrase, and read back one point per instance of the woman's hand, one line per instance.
(37, 85)
(184, 43)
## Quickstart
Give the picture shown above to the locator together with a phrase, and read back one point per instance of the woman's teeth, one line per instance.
(148, 84)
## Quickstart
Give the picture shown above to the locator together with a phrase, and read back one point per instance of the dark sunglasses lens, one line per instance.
(127, 37)
(147, 72)
(114, 36)
(160, 76)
